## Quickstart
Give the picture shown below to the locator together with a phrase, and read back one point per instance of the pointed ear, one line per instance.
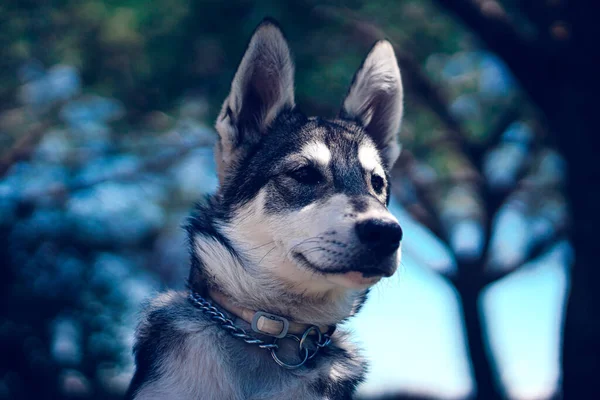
(375, 100)
(263, 86)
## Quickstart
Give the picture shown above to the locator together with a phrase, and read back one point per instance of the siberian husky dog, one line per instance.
(288, 247)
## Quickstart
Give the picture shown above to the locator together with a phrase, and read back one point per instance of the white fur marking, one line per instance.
(317, 151)
(369, 159)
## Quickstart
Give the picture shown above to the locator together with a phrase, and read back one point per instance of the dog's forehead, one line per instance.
(340, 142)
(334, 132)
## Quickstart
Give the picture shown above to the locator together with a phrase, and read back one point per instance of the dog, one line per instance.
(288, 247)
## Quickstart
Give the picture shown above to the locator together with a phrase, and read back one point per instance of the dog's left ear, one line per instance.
(375, 100)
(263, 86)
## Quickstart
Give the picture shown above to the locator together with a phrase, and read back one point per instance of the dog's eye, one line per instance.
(377, 183)
(307, 175)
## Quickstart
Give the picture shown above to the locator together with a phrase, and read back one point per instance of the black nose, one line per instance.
(380, 234)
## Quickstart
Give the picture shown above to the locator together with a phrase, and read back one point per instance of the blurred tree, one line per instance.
(550, 47)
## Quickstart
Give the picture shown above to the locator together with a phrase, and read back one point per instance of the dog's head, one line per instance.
(304, 197)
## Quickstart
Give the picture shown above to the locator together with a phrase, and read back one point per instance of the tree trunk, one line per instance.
(561, 78)
(576, 125)
(469, 286)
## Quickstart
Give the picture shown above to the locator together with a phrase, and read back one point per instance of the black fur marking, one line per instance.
(360, 301)
(156, 337)
(248, 118)
(341, 389)
(388, 188)
(229, 114)
(202, 223)
(360, 204)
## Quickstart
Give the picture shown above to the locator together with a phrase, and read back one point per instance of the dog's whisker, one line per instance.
(314, 250)
(312, 238)
(267, 253)
(242, 220)
(309, 240)
(262, 245)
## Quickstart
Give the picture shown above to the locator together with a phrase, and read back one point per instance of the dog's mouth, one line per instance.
(366, 272)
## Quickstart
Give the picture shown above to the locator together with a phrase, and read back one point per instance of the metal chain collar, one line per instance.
(323, 340)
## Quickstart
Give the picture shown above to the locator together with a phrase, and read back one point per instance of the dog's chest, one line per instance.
(182, 355)
(236, 370)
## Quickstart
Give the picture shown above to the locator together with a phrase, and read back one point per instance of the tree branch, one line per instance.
(528, 62)
(537, 250)
(24, 146)
(405, 167)
(511, 114)
(492, 24)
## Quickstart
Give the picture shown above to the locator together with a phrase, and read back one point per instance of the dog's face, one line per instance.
(306, 197)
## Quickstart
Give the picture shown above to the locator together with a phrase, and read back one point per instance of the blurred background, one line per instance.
(106, 114)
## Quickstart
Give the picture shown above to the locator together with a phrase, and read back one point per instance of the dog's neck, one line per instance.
(218, 264)
(236, 281)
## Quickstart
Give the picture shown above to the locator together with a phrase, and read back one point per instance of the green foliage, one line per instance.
(148, 54)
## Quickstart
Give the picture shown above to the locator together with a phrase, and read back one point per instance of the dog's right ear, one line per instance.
(263, 86)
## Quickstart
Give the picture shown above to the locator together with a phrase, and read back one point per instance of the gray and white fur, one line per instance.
(298, 228)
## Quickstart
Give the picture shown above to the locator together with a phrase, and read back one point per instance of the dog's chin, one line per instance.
(346, 277)
(353, 280)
